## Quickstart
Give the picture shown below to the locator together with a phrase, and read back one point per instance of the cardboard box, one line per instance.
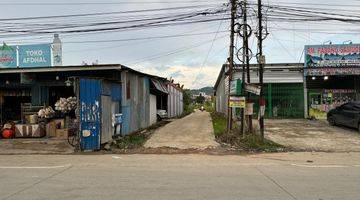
(61, 133)
(60, 123)
(51, 129)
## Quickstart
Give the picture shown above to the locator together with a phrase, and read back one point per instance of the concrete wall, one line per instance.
(274, 76)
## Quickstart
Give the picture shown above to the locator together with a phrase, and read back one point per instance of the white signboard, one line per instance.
(255, 89)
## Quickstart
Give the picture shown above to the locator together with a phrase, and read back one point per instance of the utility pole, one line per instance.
(231, 61)
(246, 57)
(261, 61)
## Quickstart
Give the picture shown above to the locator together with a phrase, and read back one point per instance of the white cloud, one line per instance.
(186, 75)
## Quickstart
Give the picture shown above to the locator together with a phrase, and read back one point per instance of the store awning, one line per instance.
(159, 85)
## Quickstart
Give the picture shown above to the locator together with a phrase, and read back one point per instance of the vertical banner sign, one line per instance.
(38, 55)
(8, 56)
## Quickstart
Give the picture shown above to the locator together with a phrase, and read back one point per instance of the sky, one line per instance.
(194, 61)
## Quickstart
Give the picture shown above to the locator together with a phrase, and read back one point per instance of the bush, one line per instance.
(247, 142)
(132, 141)
(209, 107)
(188, 109)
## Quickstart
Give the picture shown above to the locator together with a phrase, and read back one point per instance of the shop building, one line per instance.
(110, 100)
(283, 89)
(331, 77)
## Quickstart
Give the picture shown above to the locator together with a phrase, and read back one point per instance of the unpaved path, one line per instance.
(309, 135)
(194, 131)
(35, 146)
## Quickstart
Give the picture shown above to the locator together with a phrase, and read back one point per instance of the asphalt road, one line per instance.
(264, 176)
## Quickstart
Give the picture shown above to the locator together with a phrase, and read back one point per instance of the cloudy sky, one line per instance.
(194, 60)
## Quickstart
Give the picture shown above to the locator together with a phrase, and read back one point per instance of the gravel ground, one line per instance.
(310, 135)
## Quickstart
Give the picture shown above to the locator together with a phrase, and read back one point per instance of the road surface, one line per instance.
(194, 131)
(162, 177)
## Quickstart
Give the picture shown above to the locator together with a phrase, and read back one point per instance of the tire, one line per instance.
(331, 121)
(73, 140)
(158, 118)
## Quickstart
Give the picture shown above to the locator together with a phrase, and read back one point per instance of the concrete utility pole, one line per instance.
(246, 56)
(261, 61)
(231, 61)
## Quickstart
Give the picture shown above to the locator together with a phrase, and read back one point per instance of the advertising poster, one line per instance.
(343, 55)
(8, 57)
(237, 102)
(38, 55)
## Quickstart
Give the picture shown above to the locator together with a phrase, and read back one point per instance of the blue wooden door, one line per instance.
(90, 109)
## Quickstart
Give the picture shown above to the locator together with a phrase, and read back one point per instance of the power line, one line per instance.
(101, 13)
(208, 53)
(97, 3)
(140, 38)
(175, 51)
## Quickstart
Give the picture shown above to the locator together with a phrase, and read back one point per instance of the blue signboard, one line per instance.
(338, 59)
(38, 55)
(340, 55)
(8, 56)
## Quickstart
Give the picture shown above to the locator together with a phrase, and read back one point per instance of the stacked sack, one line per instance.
(46, 112)
(66, 105)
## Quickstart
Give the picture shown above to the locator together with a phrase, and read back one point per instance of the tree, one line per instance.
(200, 99)
(186, 97)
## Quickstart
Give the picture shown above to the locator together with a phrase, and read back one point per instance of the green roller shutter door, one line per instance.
(283, 100)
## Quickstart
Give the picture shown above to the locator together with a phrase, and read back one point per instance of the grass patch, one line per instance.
(219, 123)
(247, 142)
(132, 141)
(250, 142)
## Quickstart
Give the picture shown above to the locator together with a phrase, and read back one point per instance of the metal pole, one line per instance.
(231, 61)
(261, 69)
(247, 58)
(243, 73)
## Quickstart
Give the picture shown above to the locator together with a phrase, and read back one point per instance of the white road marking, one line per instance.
(324, 166)
(35, 167)
(116, 157)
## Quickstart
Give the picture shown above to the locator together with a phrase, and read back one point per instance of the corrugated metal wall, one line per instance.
(136, 108)
(221, 96)
(175, 101)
